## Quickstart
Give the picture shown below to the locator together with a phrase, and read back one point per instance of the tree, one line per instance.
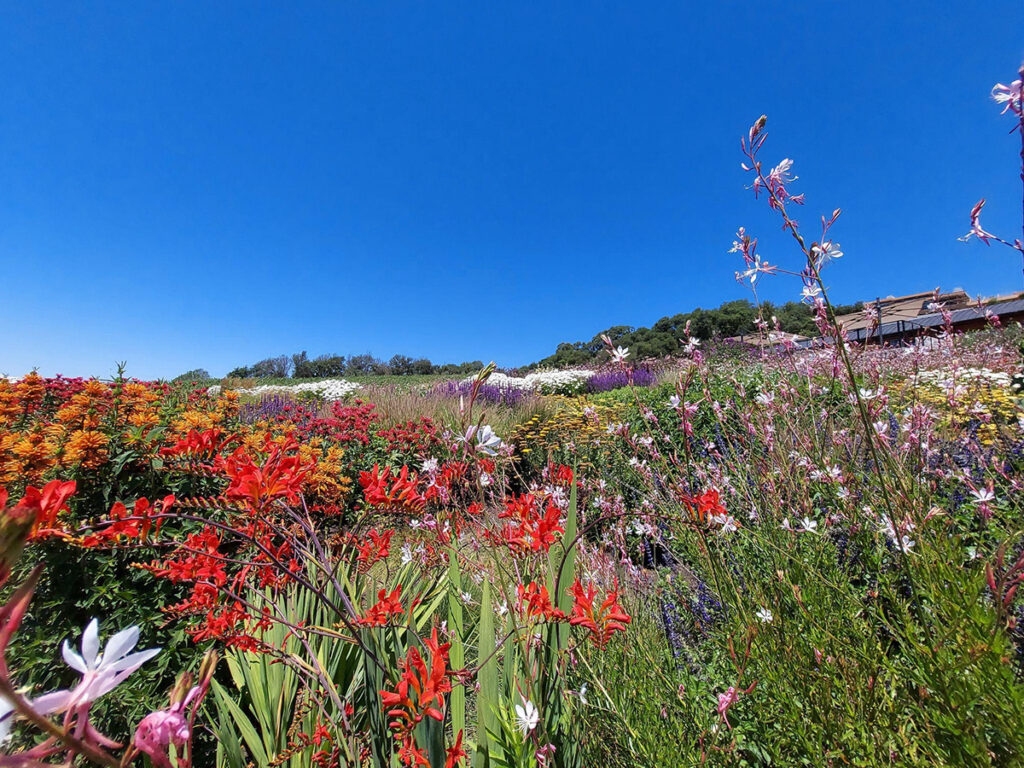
(422, 366)
(400, 365)
(197, 374)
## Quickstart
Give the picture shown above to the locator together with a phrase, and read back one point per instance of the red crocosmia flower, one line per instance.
(258, 486)
(376, 548)
(402, 494)
(529, 530)
(136, 524)
(560, 474)
(455, 753)
(198, 444)
(46, 504)
(602, 621)
(386, 607)
(535, 603)
(420, 693)
(707, 504)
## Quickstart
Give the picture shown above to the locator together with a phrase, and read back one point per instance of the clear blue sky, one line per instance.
(194, 184)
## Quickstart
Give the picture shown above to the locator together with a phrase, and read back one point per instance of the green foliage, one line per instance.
(732, 318)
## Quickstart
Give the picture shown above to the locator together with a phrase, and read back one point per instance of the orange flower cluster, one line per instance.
(420, 693)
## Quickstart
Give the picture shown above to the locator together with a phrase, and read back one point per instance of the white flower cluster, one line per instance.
(964, 376)
(328, 389)
(567, 382)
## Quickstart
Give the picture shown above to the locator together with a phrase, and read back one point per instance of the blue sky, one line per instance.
(204, 184)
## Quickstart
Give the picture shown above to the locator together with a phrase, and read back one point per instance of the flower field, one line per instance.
(797, 556)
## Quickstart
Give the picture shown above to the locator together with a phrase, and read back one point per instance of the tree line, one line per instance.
(732, 318)
(302, 366)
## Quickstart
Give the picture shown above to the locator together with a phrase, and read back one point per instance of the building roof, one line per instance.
(896, 308)
(904, 326)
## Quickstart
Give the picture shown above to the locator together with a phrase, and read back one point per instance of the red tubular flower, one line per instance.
(707, 504)
(402, 494)
(603, 621)
(529, 529)
(455, 753)
(420, 693)
(45, 505)
(535, 602)
(258, 486)
(386, 607)
(374, 549)
(198, 444)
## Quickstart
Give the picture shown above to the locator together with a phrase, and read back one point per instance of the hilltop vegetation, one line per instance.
(732, 318)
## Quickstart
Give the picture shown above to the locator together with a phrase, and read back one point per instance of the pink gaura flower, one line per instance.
(1010, 95)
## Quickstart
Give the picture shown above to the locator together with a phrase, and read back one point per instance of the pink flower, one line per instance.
(730, 697)
(976, 230)
(158, 730)
(1010, 95)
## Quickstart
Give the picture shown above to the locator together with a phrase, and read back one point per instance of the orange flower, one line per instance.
(603, 621)
(87, 448)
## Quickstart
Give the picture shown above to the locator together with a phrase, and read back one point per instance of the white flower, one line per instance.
(6, 717)
(501, 609)
(808, 525)
(765, 616)
(728, 523)
(430, 466)
(486, 441)
(983, 496)
(673, 402)
(583, 694)
(786, 525)
(101, 672)
(619, 354)
(485, 479)
(466, 597)
(527, 716)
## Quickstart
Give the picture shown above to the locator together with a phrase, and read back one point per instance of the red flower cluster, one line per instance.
(529, 529)
(195, 444)
(602, 621)
(402, 493)
(374, 549)
(420, 693)
(256, 485)
(386, 606)
(44, 505)
(535, 603)
(413, 437)
(136, 524)
(705, 505)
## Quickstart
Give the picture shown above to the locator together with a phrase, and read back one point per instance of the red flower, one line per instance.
(45, 505)
(374, 549)
(386, 607)
(455, 753)
(535, 603)
(530, 530)
(402, 494)
(258, 486)
(420, 693)
(603, 621)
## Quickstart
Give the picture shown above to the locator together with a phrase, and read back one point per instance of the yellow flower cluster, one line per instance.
(994, 406)
(576, 419)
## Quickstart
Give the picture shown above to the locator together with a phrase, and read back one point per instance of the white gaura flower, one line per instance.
(619, 354)
(808, 525)
(6, 717)
(527, 716)
(765, 616)
(486, 441)
(983, 496)
(583, 694)
(101, 672)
